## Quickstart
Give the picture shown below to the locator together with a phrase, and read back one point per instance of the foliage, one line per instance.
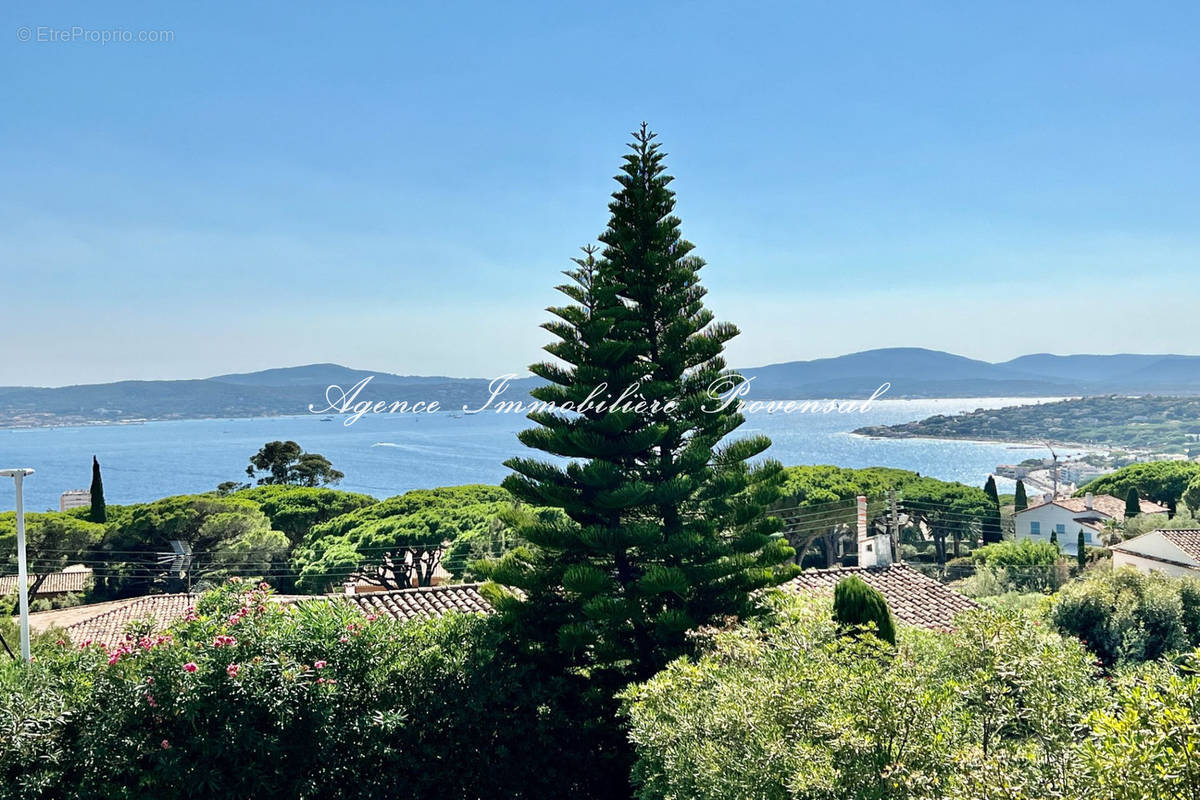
(991, 529)
(663, 527)
(98, 512)
(400, 541)
(1020, 499)
(249, 698)
(951, 511)
(53, 540)
(1145, 745)
(1125, 616)
(1028, 566)
(1191, 495)
(817, 502)
(1133, 504)
(228, 536)
(793, 710)
(286, 463)
(858, 606)
(1163, 482)
(295, 510)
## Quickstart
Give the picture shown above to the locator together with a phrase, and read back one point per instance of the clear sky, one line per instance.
(394, 186)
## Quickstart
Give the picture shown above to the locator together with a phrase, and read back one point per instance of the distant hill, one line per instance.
(916, 372)
(912, 372)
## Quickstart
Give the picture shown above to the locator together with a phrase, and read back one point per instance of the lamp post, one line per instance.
(18, 476)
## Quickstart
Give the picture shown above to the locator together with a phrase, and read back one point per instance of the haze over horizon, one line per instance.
(400, 190)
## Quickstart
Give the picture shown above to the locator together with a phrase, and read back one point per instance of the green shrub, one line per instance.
(251, 698)
(1124, 616)
(856, 605)
(794, 710)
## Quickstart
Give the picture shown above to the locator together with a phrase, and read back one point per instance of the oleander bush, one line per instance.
(249, 697)
(793, 710)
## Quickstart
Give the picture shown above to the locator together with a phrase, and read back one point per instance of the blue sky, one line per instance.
(394, 186)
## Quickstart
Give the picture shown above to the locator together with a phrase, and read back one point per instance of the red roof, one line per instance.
(914, 598)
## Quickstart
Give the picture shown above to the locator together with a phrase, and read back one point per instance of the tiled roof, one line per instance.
(109, 626)
(426, 601)
(1186, 539)
(75, 580)
(1106, 504)
(913, 597)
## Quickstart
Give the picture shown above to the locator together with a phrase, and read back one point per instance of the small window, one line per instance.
(1060, 529)
(1087, 537)
(1035, 528)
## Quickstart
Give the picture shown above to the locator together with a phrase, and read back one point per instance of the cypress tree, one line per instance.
(663, 526)
(1021, 502)
(992, 530)
(857, 604)
(99, 512)
(1054, 538)
(1133, 505)
(1081, 550)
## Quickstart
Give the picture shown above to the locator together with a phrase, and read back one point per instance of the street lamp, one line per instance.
(18, 476)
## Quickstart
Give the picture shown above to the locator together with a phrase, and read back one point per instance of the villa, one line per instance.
(1065, 517)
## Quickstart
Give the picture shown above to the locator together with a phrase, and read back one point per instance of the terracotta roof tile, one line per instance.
(1186, 539)
(426, 601)
(1106, 504)
(109, 627)
(914, 598)
(56, 582)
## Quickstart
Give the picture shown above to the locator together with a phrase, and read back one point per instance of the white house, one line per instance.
(1173, 553)
(1067, 516)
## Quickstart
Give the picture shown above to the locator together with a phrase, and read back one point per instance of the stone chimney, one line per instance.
(1087, 501)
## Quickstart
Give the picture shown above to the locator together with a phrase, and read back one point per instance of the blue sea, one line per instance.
(387, 455)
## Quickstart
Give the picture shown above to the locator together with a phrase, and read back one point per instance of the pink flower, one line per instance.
(371, 617)
(150, 701)
(344, 639)
(150, 681)
(189, 667)
(166, 745)
(318, 665)
(60, 643)
(232, 670)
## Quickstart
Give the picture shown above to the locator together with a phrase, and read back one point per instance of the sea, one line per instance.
(387, 455)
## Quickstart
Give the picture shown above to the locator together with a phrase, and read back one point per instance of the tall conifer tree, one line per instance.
(1133, 504)
(663, 526)
(1021, 501)
(99, 511)
(992, 529)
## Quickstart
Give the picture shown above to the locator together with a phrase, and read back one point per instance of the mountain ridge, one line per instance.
(912, 372)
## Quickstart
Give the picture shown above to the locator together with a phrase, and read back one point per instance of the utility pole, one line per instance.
(18, 476)
(895, 526)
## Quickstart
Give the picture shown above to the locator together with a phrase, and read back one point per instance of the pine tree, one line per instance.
(663, 526)
(99, 511)
(992, 530)
(1021, 502)
(1081, 550)
(1133, 505)
(858, 604)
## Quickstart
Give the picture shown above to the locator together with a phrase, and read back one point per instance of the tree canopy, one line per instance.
(400, 541)
(1162, 482)
(285, 463)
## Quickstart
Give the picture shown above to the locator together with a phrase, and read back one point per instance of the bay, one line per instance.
(387, 455)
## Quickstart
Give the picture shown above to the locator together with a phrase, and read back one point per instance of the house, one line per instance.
(1067, 516)
(1172, 552)
(107, 623)
(72, 580)
(913, 597)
